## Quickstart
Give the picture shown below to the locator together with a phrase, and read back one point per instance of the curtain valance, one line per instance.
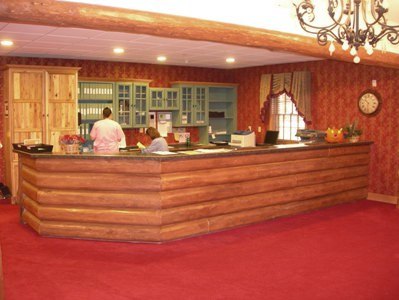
(297, 85)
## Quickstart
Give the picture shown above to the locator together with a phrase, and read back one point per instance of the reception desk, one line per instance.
(136, 197)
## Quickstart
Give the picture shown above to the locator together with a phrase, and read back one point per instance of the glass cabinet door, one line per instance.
(156, 98)
(140, 105)
(124, 103)
(200, 105)
(172, 99)
(186, 106)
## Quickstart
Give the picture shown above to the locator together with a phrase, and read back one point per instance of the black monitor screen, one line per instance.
(271, 137)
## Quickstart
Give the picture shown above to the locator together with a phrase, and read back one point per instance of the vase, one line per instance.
(71, 149)
(354, 139)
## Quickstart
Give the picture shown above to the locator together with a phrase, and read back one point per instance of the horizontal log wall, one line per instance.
(140, 200)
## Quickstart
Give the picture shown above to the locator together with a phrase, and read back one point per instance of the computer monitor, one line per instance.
(271, 137)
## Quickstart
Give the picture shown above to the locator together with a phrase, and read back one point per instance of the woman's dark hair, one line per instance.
(107, 112)
(152, 132)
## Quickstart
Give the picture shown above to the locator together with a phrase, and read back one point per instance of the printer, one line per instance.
(243, 138)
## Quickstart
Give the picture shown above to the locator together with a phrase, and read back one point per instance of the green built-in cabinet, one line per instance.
(132, 104)
(222, 112)
(210, 107)
(140, 105)
(193, 106)
(124, 103)
(128, 101)
(164, 99)
(93, 97)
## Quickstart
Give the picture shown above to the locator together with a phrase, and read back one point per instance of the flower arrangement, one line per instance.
(70, 143)
(71, 139)
(351, 130)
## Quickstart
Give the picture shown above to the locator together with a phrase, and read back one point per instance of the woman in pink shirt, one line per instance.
(106, 134)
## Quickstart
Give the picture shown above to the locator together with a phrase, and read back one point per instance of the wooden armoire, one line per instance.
(40, 103)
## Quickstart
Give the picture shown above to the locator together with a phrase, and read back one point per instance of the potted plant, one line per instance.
(352, 132)
(70, 143)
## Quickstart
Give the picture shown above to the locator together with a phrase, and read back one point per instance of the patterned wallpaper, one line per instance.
(335, 89)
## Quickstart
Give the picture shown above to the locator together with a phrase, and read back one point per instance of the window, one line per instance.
(285, 118)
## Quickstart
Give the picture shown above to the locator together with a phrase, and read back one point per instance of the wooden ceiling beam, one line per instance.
(68, 14)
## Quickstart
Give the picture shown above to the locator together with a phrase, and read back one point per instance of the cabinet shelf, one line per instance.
(89, 121)
(221, 118)
(95, 101)
(97, 91)
(219, 100)
(219, 133)
(223, 111)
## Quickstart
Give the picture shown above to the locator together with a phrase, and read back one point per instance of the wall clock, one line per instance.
(369, 102)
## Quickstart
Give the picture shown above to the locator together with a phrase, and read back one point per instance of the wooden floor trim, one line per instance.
(382, 198)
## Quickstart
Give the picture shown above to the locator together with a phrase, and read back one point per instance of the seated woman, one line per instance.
(158, 143)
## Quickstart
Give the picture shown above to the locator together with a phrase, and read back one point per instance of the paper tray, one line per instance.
(36, 148)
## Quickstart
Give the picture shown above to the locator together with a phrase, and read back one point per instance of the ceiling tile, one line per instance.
(76, 32)
(21, 28)
(40, 45)
(60, 40)
(114, 36)
(87, 47)
(19, 36)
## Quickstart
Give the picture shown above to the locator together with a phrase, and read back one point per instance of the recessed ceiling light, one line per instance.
(161, 58)
(230, 60)
(119, 50)
(6, 43)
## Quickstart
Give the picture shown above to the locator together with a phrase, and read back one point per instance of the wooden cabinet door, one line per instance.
(61, 111)
(27, 112)
(26, 118)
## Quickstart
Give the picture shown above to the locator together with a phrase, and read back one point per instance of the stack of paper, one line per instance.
(164, 152)
(220, 150)
(205, 151)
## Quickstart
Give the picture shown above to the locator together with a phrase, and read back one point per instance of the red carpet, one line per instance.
(349, 251)
(1, 276)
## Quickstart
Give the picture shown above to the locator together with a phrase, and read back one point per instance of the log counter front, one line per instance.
(151, 198)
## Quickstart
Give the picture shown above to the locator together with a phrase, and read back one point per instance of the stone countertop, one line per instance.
(187, 152)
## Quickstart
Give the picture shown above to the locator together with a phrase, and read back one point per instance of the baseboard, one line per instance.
(382, 198)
